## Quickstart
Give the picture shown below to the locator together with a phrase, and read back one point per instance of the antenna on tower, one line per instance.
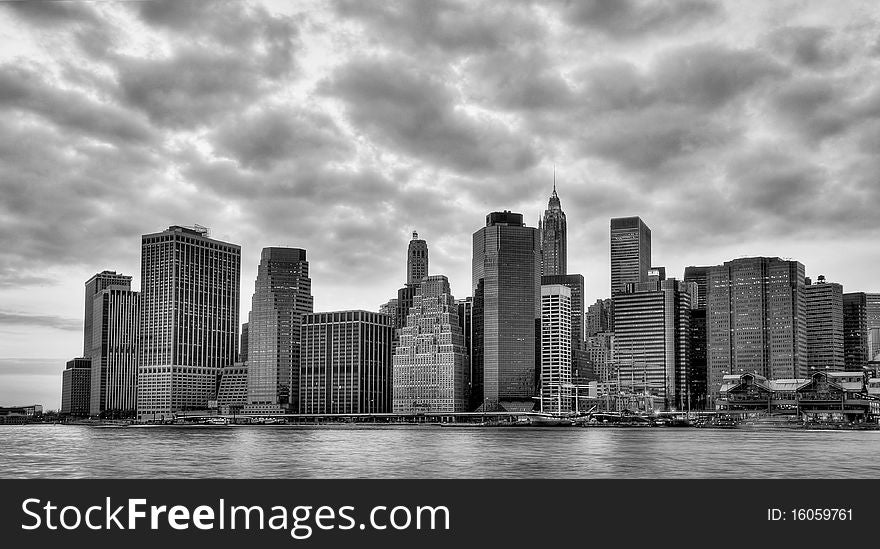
(554, 178)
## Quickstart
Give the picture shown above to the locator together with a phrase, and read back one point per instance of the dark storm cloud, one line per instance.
(448, 26)
(24, 89)
(619, 19)
(416, 111)
(263, 137)
(808, 46)
(53, 13)
(13, 319)
(819, 108)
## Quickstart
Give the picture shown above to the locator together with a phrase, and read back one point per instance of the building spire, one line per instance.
(554, 204)
(554, 179)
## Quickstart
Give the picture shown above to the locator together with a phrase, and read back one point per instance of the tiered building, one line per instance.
(431, 368)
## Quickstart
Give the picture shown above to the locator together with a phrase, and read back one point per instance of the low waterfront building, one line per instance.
(824, 396)
(232, 392)
(76, 382)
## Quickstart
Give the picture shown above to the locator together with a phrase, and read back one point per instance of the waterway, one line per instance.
(77, 451)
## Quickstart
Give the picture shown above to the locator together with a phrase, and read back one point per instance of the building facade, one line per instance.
(630, 252)
(345, 363)
(76, 386)
(699, 336)
(416, 259)
(598, 317)
(507, 311)
(232, 391)
(100, 281)
(755, 315)
(430, 367)
(825, 330)
(556, 351)
(652, 340)
(282, 294)
(189, 319)
(554, 237)
(114, 352)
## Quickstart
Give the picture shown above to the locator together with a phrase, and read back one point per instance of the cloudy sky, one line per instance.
(746, 128)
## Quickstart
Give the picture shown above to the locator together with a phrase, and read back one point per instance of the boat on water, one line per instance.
(772, 423)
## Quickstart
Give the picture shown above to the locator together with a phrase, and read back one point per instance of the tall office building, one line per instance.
(825, 330)
(243, 343)
(575, 284)
(755, 313)
(466, 322)
(554, 237)
(600, 353)
(431, 367)
(699, 336)
(189, 319)
(872, 316)
(115, 321)
(416, 260)
(861, 318)
(652, 340)
(76, 387)
(101, 281)
(345, 363)
(630, 252)
(282, 294)
(556, 370)
(507, 311)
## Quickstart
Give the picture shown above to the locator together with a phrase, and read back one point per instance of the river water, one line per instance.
(67, 451)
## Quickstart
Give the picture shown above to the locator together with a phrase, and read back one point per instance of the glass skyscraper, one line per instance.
(507, 311)
(282, 294)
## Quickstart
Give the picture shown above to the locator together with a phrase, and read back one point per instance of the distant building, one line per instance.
(114, 352)
(431, 368)
(282, 294)
(507, 311)
(390, 308)
(416, 260)
(855, 330)
(600, 353)
(825, 329)
(232, 392)
(99, 282)
(345, 363)
(652, 340)
(189, 319)
(76, 386)
(554, 237)
(243, 343)
(598, 317)
(630, 252)
(575, 283)
(556, 370)
(699, 340)
(756, 320)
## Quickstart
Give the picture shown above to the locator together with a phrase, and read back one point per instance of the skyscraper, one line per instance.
(345, 363)
(755, 314)
(856, 352)
(630, 252)
(556, 349)
(243, 343)
(699, 336)
(282, 294)
(416, 260)
(101, 281)
(598, 317)
(76, 387)
(431, 366)
(554, 236)
(189, 319)
(507, 310)
(872, 317)
(824, 316)
(115, 323)
(652, 339)
(575, 283)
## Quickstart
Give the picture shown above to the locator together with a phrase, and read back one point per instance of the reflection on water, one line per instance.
(57, 451)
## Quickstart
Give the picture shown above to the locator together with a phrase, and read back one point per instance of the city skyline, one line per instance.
(117, 160)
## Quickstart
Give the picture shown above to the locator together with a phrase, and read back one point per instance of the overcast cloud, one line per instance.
(731, 128)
